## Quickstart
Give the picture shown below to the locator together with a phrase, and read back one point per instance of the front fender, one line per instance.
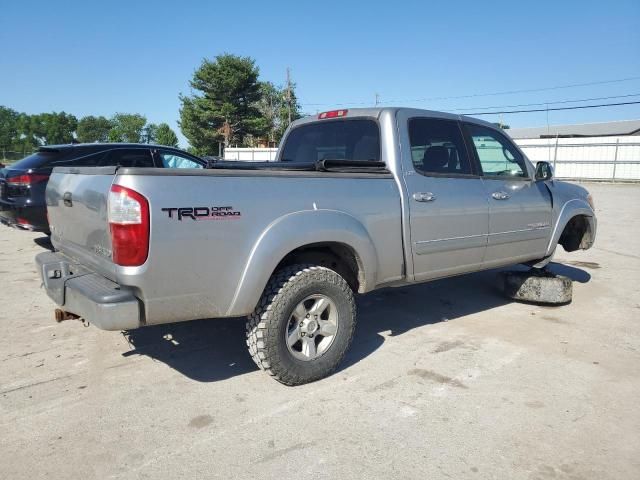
(297, 230)
(570, 209)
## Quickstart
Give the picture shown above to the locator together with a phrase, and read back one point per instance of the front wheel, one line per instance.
(303, 324)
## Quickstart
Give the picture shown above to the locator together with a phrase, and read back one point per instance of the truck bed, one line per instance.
(203, 266)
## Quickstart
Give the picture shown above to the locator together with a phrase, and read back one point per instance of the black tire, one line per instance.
(267, 325)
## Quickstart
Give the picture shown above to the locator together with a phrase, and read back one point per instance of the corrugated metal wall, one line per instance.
(595, 158)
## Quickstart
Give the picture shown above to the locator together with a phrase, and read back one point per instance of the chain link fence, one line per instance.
(8, 157)
(250, 154)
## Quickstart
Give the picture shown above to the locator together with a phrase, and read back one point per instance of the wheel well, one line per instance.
(337, 256)
(576, 234)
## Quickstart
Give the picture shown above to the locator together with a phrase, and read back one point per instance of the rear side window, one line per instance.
(87, 160)
(129, 157)
(437, 147)
(37, 160)
(356, 139)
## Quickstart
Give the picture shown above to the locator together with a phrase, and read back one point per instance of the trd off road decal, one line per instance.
(203, 213)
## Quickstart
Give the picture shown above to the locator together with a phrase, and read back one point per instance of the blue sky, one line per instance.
(105, 57)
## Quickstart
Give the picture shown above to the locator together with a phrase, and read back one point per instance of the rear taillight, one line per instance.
(129, 224)
(27, 179)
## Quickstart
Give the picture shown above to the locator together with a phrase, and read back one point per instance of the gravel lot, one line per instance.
(444, 380)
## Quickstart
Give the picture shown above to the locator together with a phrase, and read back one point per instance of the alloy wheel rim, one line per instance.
(312, 327)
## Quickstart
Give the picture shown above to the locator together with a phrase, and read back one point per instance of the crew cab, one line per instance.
(357, 200)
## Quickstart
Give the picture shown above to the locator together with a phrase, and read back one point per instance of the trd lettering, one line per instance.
(201, 213)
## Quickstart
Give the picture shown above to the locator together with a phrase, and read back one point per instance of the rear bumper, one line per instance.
(27, 217)
(89, 295)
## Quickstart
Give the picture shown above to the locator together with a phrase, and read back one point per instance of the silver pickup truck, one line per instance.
(358, 200)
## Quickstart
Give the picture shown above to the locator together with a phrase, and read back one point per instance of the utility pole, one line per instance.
(289, 94)
(377, 99)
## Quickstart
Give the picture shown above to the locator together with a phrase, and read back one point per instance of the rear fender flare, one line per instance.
(294, 231)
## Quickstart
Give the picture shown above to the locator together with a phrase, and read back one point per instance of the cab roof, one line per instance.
(376, 112)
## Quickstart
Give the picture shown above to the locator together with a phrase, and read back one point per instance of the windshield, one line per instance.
(333, 140)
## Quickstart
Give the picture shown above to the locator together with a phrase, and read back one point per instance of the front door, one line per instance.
(519, 208)
(449, 214)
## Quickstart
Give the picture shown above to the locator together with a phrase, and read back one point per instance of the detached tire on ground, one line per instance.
(303, 324)
(536, 287)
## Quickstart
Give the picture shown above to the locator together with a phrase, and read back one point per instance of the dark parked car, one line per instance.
(22, 185)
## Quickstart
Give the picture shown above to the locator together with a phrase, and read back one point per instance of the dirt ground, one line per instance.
(444, 380)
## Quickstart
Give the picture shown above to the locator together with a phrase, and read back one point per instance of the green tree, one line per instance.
(53, 128)
(224, 105)
(25, 141)
(149, 133)
(127, 127)
(274, 105)
(166, 136)
(8, 128)
(269, 105)
(93, 129)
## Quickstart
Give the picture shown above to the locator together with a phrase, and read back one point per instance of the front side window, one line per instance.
(437, 147)
(497, 156)
(333, 140)
(173, 160)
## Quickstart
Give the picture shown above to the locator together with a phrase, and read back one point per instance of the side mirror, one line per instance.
(544, 171)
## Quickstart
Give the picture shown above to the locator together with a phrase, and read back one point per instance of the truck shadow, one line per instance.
(213, 349)
(44, 242)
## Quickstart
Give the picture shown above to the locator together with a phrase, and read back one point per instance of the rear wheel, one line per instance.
(303, 324)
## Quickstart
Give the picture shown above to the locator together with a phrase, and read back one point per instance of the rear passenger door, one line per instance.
(449, 214)
(519, 207)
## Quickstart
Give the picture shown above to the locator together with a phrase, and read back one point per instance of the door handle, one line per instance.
(424, 197)
(500, 195)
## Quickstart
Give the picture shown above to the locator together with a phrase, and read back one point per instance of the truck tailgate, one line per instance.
(77, 210)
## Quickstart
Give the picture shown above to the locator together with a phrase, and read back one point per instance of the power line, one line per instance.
(548, 103)
(559, 102)
(476, 95)
(288, 95)
(529, 90)
(576, 107)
